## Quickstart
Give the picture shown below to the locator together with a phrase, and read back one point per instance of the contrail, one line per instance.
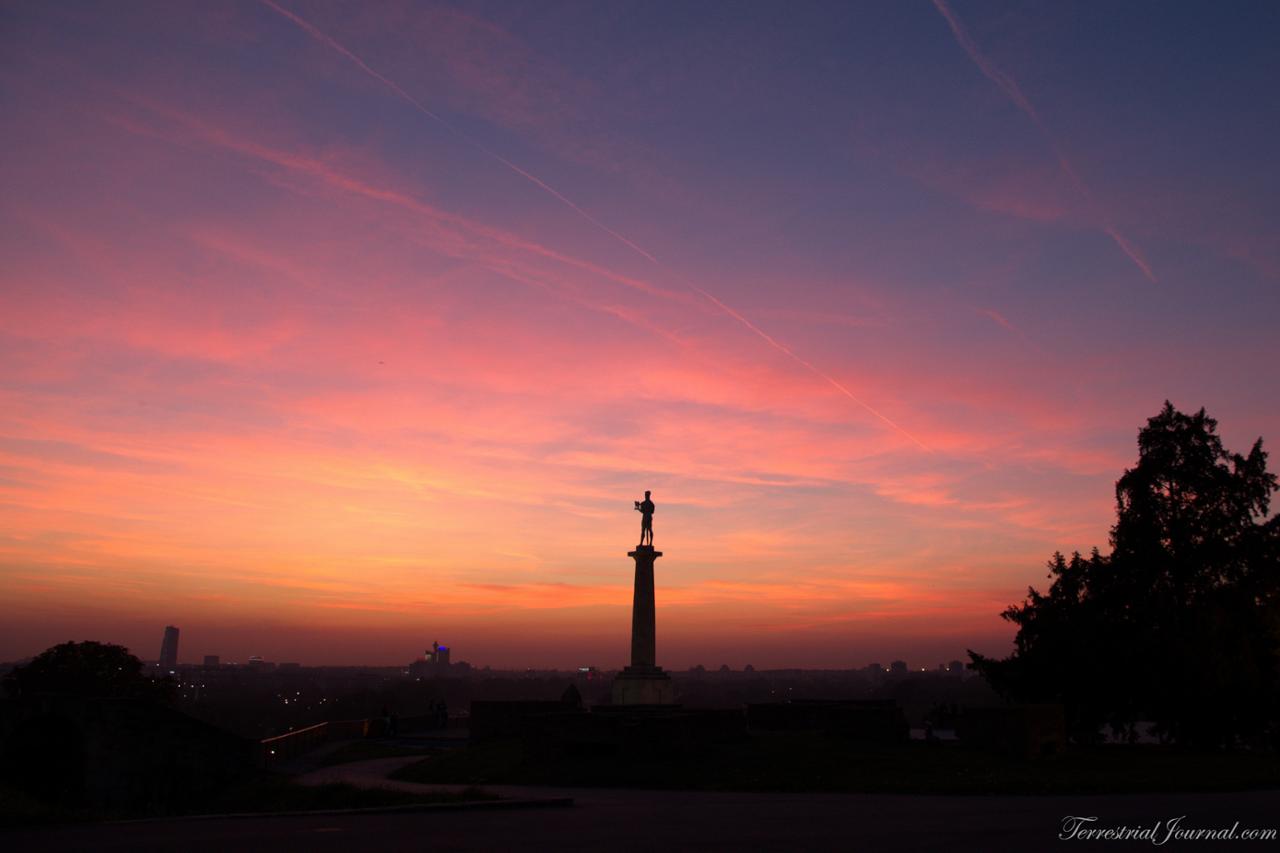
(328, 41)
(324, 39)
(1015, 94)
(810, 367)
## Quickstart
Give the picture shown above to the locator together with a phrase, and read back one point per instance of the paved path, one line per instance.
(374, 772)
(370, 774)
(630, 820)
(671, 821)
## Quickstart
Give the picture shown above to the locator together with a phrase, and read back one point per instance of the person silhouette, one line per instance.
(645, 508)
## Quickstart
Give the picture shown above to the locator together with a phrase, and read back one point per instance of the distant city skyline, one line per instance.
(330, 329)
(440, 654)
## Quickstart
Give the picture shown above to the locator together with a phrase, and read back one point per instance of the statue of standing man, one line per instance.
(645, 508)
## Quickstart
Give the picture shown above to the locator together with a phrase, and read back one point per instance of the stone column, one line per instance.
(643, 682)
(643, 629)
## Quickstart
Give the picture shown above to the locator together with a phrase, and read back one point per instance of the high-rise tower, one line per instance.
(169, 649)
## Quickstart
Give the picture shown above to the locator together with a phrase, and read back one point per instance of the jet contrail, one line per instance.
(324, 39)
(1014, 92)
(820, 374)
(328, 41)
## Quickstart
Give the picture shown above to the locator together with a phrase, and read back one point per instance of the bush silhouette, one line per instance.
(87, 669)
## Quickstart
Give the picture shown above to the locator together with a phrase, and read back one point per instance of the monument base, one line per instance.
(637, 685)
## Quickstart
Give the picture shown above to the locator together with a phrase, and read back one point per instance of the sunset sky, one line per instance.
(331, 329)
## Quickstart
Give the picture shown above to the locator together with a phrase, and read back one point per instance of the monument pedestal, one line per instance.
(643, 686)
(644, 682)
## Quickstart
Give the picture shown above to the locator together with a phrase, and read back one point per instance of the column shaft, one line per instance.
(643, 629)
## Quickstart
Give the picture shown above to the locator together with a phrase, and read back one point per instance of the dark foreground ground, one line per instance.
(816, 763)
(626, 820)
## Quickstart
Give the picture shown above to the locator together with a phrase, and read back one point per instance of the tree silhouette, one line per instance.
(87, 669)
(1180, 623)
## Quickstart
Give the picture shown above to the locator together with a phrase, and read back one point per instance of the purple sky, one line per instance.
(329, 329)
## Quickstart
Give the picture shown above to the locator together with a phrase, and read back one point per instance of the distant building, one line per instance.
(874, 668)
(748, 668)
(257, 664)
(288, 667)
(439, 655)
(898, 667)
(212, 661)
(169, 649)
(435, 661)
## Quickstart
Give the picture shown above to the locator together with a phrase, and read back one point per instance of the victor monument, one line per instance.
(643, 682)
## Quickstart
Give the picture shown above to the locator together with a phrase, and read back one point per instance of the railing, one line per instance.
(292, 744)
(275, 750)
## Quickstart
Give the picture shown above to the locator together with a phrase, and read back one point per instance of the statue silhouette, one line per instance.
(645, 508)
